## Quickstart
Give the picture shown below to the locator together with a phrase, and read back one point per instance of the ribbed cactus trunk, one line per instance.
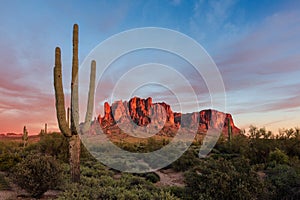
(72, 131)
(74, 149)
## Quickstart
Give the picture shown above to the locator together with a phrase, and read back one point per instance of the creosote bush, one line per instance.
(37, 173)
(127, 187)
(224, 179)
(278, 156)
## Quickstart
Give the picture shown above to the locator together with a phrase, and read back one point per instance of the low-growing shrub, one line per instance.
(285, 180)
(8, 161)
(56, 145)
(187, 161)
(129, 187)
(278, 156)
(152, 177)
(37, 173)
(4, 185)
(223, 179)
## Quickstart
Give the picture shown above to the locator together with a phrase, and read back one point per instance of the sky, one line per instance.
(255, 45)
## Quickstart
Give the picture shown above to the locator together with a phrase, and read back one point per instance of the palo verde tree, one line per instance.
(72, 132)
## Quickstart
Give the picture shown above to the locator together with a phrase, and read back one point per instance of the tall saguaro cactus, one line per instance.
(71, 132)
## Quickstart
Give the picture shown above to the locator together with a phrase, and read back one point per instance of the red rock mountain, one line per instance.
(144, 112)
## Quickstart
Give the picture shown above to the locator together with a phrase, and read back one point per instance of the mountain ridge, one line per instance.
(139, 112)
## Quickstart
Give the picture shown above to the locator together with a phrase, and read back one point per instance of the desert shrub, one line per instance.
(82, 192)
(7, 146)
(56, 145)
(223, 179)
(295, 163)
(9, 160)
(152, 177)
(239, 144)
(105, 187)
(9, 155)
(163, 195)
(259, 149)
(179, 192)
(130, 181)
(4, 185)
(278, 157)
(285, 180)
(37, 173)
(292, 146)
(88, 172)
(188, 160)
(76, 191)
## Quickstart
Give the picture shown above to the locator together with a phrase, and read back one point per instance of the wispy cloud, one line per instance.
(210, 18)
(264, 64)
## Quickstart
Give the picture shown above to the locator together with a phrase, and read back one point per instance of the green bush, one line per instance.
(187, 161)
(105, 187)
(37, 173)
(77, 191)
(8, 161)
(278, 156)
(9, 155)
(179, 192)
(152, 177)
(56, 145)
(224, 179)
(285, 180)
(4, 185)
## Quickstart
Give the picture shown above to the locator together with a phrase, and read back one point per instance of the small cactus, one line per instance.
(42, 133)
(25, 136)
(229, 130)
(45, 130)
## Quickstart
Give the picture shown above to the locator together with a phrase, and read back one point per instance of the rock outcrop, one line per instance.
(142, 112)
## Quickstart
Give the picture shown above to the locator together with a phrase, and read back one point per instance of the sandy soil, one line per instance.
(170, 178)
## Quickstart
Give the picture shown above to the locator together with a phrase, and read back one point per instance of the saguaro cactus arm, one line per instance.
(59, 96)
(74, 83)
(90, 103)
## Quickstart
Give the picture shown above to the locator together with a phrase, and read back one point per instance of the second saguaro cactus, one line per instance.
(71, 132)
(229, 130)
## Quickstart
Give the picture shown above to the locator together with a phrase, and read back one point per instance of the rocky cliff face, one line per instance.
(142, 112)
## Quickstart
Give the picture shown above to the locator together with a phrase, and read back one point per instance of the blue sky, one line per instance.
(255, 45)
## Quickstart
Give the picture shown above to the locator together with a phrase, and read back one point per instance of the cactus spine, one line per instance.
(71, 132)
(25, 136)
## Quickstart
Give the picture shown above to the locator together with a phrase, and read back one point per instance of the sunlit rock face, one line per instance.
(142, 112)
